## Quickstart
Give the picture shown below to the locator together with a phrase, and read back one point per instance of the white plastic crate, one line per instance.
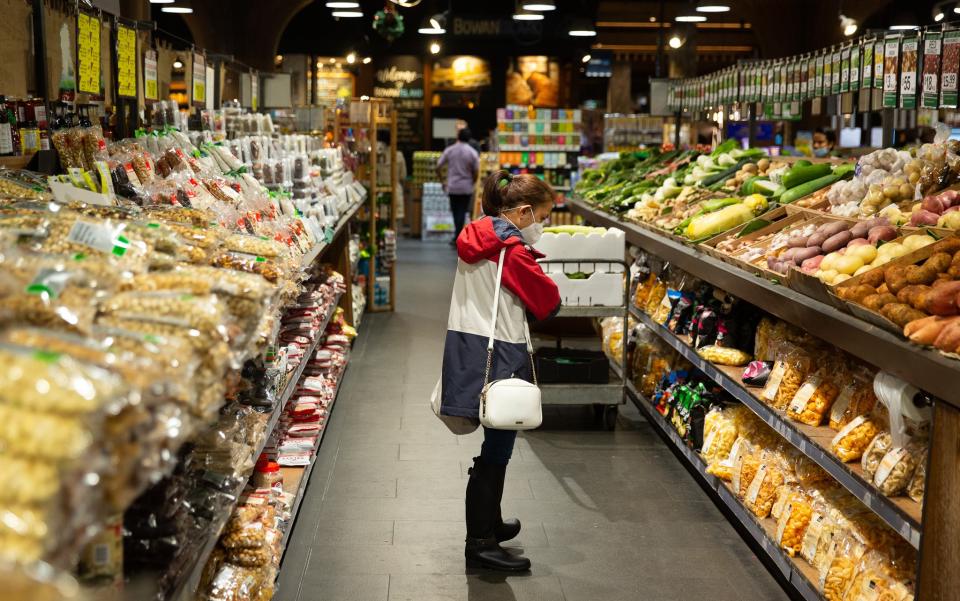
(608, 246)
(598, 290)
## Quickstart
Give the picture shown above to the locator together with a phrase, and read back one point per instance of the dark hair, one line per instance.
(502, 191)
(464, 134)
(828, 134)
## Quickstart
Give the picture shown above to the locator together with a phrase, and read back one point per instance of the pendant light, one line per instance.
(706, 6)
(582, 28)
(539, 5)
(181, 7)
(435, 25)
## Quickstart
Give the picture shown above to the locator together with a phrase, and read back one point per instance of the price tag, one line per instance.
(866, 77)
(855, 54)
(88, 54)
(908, 72)
(819, 70)
(836, 69)
(950, 66)
(126, 61)
(878, 49)
(199, 78)
(150, 86)
(891, 64)
(931, 70)
(844, 84)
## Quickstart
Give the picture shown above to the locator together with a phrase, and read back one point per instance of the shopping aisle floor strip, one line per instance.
(900, 513)
(798, 575)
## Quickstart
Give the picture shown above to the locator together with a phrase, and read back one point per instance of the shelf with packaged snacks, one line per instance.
(902, 514)
(319, 250)
(928, 370)
(185, 584)
(762, 532)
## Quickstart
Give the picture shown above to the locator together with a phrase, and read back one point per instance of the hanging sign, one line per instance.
(88, 53)
(854, 76)
(835, 68)
(909, 60)
(199, 77)
(931, 70)
(891, 60)
(254, 90)
(126, 61)
(866, 77)
(950, 66)
(878, 60)
(844, 70)
(150, 86)
(821, 71)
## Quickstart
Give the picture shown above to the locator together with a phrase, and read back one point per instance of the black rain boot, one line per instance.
(505, 529)
(481, 548)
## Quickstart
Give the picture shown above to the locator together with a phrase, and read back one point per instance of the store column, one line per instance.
(619, 97)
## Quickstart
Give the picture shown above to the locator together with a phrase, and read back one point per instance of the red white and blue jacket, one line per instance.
(526, 292)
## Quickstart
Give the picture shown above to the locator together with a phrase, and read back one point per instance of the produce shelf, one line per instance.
(574, 311)
(303, 474)
(797, 573)
(903, 514)
(923, 368)
(186, 586)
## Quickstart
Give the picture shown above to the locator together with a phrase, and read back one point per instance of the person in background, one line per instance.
(824, 142)
(463, 165)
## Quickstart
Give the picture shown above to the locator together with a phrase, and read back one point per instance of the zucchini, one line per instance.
(808, 188)
(715, 204)
(802, 163)
(804, 173)
(724, 175)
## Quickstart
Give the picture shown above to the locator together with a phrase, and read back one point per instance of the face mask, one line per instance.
(531, 234)
(820, 152)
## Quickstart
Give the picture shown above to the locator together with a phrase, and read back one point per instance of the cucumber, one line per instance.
(804, 173)
(808, 188)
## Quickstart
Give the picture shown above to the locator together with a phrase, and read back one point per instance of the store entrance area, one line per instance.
(606, 515)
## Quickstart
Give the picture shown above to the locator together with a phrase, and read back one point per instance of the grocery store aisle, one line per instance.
(607, 516)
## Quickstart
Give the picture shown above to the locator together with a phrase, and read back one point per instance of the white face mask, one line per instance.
(531, 234)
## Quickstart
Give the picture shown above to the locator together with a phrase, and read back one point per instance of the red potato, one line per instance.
(934, 204)
(803, 254)
(951, 209)
(881, 232)
(797, 241)
(860, 230)
(812, 264)
(950, 198)
(836, 241)
(857, 242)
(922, 217)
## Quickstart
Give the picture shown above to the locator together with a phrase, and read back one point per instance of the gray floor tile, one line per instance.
(430, 532)
(354, 532)
(352, 488)
(428, 487)
(325, 586)
(474, 588)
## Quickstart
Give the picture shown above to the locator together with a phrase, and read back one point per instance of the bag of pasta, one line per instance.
(919, 482)
(657, 293)
(764, 341)
(723, 465)
(815, 396)
(791, 368)
(850, 442)
(874, 452)
(793, 521)
(719, 434)
(875, 578)
(819, 533)
(840, 566)
(760, 477)
(896, 469)
(856, 398)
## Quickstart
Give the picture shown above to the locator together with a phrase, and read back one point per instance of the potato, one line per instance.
(875, 278)
(857, 242)
(892, 250)
(841, 277)
(882, 232)
(877, 301)
(900, 313)
(812, 264)
(895, 277)
(860, 230)
(863, 270)
(831, 229)
(836, 241)
(923, 217)
(848, 264)
(913, 295)
(856, 293)
(942, 300)
(797, 241)
(866, 253)
(829, 260)
(916, 241)
(933, 204)
(817, 239)
(826, 276)
(802, 254)
(926, 330)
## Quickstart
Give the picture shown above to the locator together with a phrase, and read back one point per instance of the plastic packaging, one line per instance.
(723, 356)
(793, 521)
(815, 396)
(791, 368)
(850, 442)
(896, 469)
(874, 453)
(856, 398)
(919, 482)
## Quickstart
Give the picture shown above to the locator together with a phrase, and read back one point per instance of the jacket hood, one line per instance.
(484, 238)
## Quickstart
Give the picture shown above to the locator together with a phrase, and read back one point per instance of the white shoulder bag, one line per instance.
(513, 403)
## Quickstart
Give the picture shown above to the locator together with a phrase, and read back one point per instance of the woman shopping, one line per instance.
(516, 209)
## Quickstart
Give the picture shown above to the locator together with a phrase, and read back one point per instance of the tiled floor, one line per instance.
(606, 516)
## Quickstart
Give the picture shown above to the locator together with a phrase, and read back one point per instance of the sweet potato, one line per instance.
(833, 228)
(875, 302)
(817, 238)
(855, 293)
(942, 300)
(874, 278)
(895, 277)
(948, 340)
(881, 232)
(836, 241)
(926, 330)
(900, 313)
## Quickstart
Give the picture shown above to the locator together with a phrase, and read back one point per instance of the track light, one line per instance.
(347, 14)
(938, 17)
(352, 58)
(178, 64)
(527, 16)
(366, 60)
(342, 4)
(582, 28)
(433, 26)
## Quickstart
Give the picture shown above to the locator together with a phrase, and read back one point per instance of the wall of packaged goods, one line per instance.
(792, 334)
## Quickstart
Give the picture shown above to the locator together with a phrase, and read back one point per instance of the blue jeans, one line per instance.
(497, 446)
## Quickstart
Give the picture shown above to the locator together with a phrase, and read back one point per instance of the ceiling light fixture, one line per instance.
(366, 60)
(586, 58)
(161, 1)
(342, 4)
(903, 27)
(848, 25)
(675, 42)
(352, 58)
(178, 64)
(956, 9)
(527, 16)
(690, 18)
(938, 17)
(177, 10)
(347, 14)
(539, 5)
(435, 48)
(712, 7)
(433, 26)
(582, 28)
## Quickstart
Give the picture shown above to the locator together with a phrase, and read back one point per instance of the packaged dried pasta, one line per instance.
(840, 566)
(791, 368)
(850, 442)
(856, 398)
(919, 482)
(819, 533)
(723, 466)
(815, 396)
(757, 481)
(875, 452)
(874, 579)
(896, 469)
(723, 355)
(793, 521)
(719, 434)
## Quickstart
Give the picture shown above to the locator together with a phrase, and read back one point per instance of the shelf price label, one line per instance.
(909, 54)
(199, 78)
(126, 61)
(891, 62)
(88, 53)
(150, 86)
(931, 70)
(950, 66)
